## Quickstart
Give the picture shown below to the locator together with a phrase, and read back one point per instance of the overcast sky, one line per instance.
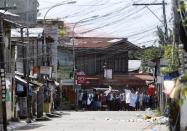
(115, 18)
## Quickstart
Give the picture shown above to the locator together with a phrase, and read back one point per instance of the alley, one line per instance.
(96, 121)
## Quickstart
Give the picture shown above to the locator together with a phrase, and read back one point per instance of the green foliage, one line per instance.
(151, 53)
(160, 35)
(182, 6)
(183, 95)
(171, 54)
(133, 55)
(165, 70)
(146, 54)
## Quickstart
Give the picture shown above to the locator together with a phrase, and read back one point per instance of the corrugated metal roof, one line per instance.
(8, 13)
(92, 42)
(99, 43)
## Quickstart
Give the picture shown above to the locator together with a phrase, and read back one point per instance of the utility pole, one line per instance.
(2, 76)
(176, 21)
(164, 22)
(27, 78)
(163, 4)
(27, 70)
(176, 112)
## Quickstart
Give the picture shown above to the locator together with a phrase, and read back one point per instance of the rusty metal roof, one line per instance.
(131, 79)
(100, 43)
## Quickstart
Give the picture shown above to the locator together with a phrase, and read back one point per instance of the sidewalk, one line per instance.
(13, 125)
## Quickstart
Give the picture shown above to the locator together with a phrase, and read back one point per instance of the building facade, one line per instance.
(94, 55)
(9, 64)
(26, 9)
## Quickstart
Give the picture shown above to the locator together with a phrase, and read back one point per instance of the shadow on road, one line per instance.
(29, 127)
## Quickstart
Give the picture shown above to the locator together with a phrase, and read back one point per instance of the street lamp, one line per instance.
(73, 39)
(44, 25)
(44, 20)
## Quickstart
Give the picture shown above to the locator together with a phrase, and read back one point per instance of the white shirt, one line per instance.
(128, 96)
(111, 97)
(89, 99)
(80, 96)
(133, 100)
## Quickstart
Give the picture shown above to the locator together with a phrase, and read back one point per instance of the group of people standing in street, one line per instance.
(126, 100)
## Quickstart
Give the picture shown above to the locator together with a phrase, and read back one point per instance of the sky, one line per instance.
(113, 18)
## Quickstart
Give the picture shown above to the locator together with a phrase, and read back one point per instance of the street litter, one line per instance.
(147, 117)
(108, 119)
(157, 120)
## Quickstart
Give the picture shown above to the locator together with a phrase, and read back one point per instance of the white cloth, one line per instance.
(128, 96)
(141, 99)
(111, 97)
(17, 107)
(88, 101)
(133, 100)
(80, 96)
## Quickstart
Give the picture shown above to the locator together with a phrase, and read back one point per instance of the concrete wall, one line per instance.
(184, 116)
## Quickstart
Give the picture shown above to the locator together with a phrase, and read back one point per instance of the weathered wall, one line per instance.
(184, 116)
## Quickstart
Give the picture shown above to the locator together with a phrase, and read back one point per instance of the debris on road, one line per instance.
(108, 119)
(150, 116)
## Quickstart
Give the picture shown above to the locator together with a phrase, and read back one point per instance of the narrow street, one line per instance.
(96, 121)
(108, 65)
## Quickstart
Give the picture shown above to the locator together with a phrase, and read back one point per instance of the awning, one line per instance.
(8, 13)
(67, 82)
(13, 23)
(22, 80)
(36, 83)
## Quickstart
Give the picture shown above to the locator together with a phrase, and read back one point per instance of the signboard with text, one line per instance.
(81, 79)
(108, 73)
(46, 70)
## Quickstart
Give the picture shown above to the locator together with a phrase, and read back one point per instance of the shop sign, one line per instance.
(108, 73)
(46, 70)
(81, 79)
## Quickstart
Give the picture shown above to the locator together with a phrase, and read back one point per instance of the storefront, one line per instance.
(21, 96)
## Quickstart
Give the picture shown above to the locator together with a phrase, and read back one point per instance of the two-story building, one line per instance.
(94, 55)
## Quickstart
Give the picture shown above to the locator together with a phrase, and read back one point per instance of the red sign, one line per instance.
(81, 79)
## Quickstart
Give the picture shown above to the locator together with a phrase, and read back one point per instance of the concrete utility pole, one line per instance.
(164, 16)
(164, 22)
(176, 21)
(176, 41)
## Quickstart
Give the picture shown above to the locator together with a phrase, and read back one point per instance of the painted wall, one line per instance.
(184, 116)
(65, 64)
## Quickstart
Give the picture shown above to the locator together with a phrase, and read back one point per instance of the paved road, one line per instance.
(95, 121)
